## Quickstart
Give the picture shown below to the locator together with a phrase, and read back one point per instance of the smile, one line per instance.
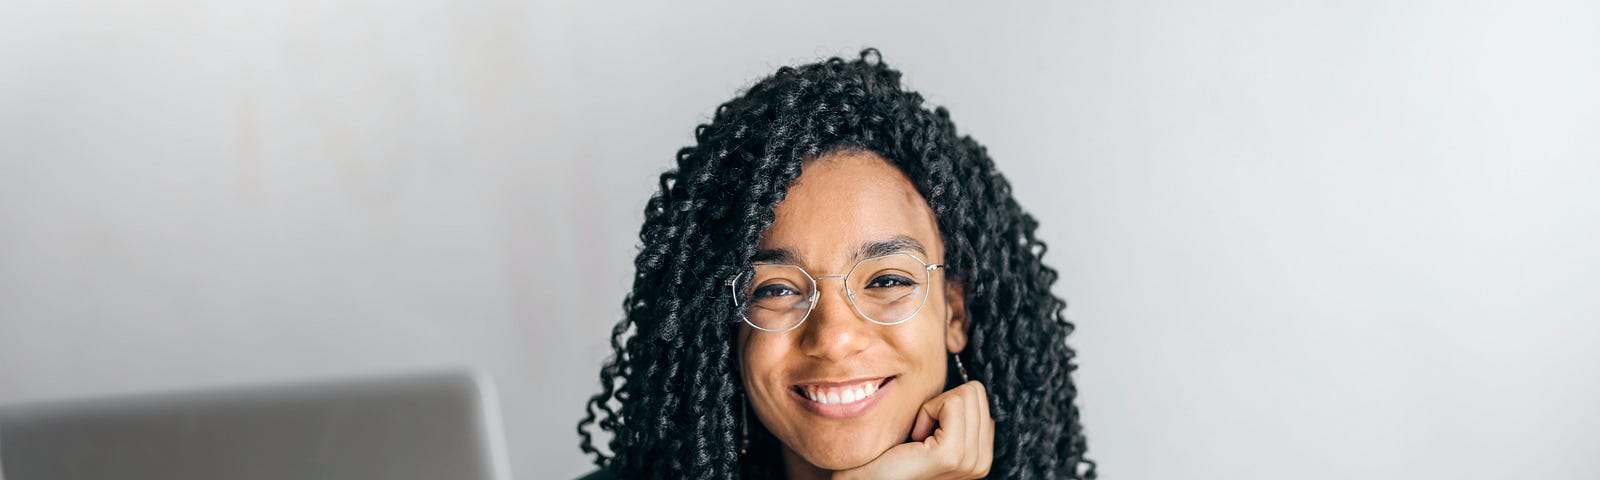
(841, 399)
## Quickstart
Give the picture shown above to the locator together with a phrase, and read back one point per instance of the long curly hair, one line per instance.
(671, 394)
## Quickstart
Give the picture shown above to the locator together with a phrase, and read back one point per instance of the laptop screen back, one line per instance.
(434, 426)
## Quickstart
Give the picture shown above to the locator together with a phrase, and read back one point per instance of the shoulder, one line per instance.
(601, 474)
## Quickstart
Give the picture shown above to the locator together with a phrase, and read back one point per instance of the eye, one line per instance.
(774, 290)
(890, 281)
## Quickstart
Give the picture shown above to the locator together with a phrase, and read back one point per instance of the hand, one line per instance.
(961, 447)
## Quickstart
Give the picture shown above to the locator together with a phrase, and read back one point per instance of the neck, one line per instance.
(797, 468)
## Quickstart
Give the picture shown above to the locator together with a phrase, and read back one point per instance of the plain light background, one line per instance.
(1308, 240)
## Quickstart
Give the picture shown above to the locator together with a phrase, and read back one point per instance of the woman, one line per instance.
(834, 283)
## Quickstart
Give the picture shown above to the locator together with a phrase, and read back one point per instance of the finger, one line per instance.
(923, 427)
(986, 435)
(975, 419)
(985, 416)
(986, 448)
(983, 398)
(949, 409)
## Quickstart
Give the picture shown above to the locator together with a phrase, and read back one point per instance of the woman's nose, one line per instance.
(834, 332)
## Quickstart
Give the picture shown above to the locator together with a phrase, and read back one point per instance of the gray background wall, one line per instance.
(1300, 239)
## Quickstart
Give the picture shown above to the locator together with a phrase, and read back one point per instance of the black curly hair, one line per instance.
(670, 394)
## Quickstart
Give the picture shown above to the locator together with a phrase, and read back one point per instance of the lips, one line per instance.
(840, 399)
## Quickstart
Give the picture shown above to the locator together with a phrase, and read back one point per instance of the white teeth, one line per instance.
(836, 396)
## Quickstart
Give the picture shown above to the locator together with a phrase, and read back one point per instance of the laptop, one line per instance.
(428, 426)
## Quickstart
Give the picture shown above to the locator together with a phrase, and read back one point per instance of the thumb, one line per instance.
(924, 425)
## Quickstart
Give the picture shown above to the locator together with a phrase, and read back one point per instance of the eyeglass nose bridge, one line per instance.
(817, 293)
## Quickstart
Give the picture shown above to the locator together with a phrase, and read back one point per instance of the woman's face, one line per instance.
(841, 205)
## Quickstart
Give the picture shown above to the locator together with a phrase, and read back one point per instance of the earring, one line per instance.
(744, 425)
(961, 368)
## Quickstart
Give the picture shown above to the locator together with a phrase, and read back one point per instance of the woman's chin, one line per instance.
(842, 460)
(833, 454)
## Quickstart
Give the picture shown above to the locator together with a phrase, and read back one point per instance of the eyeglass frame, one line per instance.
(816, 291)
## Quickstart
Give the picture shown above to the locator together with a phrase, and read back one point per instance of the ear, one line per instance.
(956, 323)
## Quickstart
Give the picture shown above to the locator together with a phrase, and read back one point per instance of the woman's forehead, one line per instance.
(847, 205)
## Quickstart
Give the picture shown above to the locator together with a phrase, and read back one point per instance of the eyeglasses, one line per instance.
(886, 290)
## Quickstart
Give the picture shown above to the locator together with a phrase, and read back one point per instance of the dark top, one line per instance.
(601, 474)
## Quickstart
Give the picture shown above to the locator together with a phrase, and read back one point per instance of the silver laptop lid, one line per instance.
(409, 427)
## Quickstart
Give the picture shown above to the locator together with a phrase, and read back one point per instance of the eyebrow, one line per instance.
(895, 244)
